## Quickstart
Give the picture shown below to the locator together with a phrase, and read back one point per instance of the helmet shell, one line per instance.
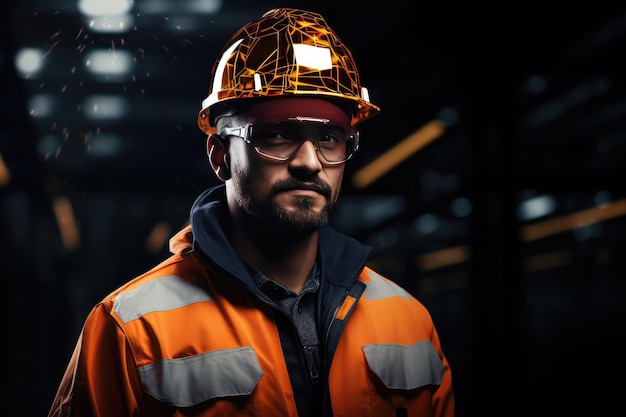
(286, 52)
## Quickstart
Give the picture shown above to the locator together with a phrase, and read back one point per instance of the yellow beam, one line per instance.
(397, 154)
(573, 221)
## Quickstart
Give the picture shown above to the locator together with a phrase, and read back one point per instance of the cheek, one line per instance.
(335, 178)
(250, 176)
(239, 167)
(240, 163)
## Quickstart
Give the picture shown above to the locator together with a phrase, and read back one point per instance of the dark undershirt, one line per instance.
(301, 334)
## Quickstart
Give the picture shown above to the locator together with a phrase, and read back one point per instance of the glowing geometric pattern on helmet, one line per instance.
(286, 52)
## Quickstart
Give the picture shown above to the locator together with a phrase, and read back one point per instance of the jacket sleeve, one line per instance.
(101, 378)
(443, 397)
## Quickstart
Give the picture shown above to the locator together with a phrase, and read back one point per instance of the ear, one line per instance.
(218, 156)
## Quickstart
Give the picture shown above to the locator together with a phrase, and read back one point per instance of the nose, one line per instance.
(307, 156)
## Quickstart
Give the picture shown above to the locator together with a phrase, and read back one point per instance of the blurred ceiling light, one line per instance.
(355, 213)
(110, 24)
(168, 6)
(48, 145)
(41, 105)
(105, 107)
(567, 102)
(387, 238)
(602, 197)
(205, 6)
(427, 223)
(536, 84)
(461, 207)
(536, 207)
(449, 116)
(116, 63)
(104, 8)
(382, 208)
(28, 62)
(105, 145)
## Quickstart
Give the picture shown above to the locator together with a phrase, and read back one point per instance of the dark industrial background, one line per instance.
(509, 224)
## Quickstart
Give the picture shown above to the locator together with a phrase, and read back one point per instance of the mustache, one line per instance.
(315, 184)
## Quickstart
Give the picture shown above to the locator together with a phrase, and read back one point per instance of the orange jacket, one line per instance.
(183, 340)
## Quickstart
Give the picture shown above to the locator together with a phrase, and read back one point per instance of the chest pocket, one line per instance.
(405, 366)
(189, 381)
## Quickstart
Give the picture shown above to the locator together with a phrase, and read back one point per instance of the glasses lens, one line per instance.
(282, 140)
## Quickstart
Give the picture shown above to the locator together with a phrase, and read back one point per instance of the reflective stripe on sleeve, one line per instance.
(161, 294)
(188, 381)
(379, 288)
(405, 366)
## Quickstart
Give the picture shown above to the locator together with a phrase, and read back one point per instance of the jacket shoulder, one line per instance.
(379, 288)
(176, 268)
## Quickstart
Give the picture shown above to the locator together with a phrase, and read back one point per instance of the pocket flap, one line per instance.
(405, 366)
(188, 381)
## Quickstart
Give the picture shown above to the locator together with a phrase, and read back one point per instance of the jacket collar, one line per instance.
(341, 257)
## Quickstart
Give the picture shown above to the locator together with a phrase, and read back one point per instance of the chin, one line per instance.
(302, 221)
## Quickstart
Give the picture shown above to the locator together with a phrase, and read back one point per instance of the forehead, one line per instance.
(289, 108)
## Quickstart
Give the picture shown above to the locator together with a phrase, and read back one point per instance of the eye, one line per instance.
(328, 139)
(331, 136)
(273, 137)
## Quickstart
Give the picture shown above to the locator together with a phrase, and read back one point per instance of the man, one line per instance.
(263, 309)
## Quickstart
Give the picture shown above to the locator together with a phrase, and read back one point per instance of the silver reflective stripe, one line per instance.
(188, 381)
(161, 294)
(405, 366)
(379, 288)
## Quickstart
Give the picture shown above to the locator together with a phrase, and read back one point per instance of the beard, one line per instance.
(303, 220)
(266, 215)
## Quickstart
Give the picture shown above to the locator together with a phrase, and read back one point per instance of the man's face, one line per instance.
(294, 196)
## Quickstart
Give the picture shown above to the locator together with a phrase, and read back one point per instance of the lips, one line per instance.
(307, 192)
(306, 187)
(291, 184)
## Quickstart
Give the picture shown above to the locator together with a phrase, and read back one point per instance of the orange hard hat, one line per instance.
(285, 52)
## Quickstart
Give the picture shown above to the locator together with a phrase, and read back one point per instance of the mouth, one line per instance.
(304, 190)
(311, 189)
(306, 187)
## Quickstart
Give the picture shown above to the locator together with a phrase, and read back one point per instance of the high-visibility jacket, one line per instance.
(194, 336)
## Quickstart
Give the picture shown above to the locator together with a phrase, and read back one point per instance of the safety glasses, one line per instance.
(281, 140)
